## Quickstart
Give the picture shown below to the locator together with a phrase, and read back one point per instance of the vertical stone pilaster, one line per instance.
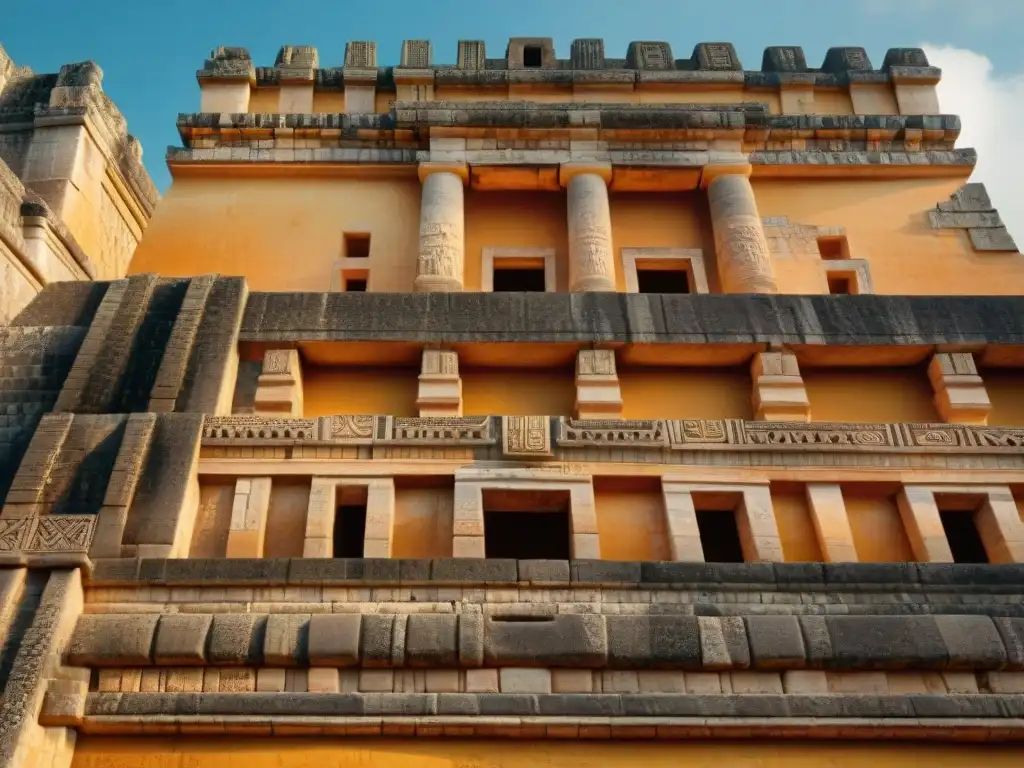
(279, 387)
(598, 395)
(468, 525)
(960, 394)
(174, 363)
(586, 544)
(442, 227)
(920, 515)
(759, 532)
(131, 457)
(380, 518)
(1000, 527)
(25, 497)
(23, 742)
(831, 524)
(440, 389)
(681, 523)
(744, 262)
(779, 393)
(319, 539)
(591, 259)
(248, 528)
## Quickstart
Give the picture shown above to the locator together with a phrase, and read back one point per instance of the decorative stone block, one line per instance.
(789, 58)
(248, 525)
(587, 54)
(843, 60)
(526, 436)
(779, 393)
(573, 681)
(515, 54)
(360, 54)
(716, 56)
(831, 523)
(417, 54)
(960, 394)
(279, 387)
(650, 55)
(597, 385)
(472, 54)
(440, 388)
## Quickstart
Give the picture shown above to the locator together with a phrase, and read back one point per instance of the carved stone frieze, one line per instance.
(46, 535)
(530, 436)
(583, 433)
(526, 436)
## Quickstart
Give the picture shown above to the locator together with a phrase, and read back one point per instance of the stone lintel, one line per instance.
(567, 171)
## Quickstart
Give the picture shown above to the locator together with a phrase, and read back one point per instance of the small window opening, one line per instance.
(355, 285)
(833, 248)
(530, 280)
(963, 537)
(663, 281)
(719, 536)
(357, 246)
(532, 56)
(527, 535)
(840, 285)
(349, 530)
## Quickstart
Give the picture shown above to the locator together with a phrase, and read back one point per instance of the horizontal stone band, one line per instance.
(588, 640)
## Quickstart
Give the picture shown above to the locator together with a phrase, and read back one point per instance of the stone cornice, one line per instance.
(863, 320)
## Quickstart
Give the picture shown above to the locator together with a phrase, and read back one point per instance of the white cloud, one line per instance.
(991, 109)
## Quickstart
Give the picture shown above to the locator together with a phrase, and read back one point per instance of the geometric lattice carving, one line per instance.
(47, 534)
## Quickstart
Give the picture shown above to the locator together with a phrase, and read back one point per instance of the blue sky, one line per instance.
(149, 51)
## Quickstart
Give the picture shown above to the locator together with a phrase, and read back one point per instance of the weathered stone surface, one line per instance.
(562, 640)
(431, 640)
(646, 318)
(236, 638)
(105, 640)
(375, 639)
(456, 570)
(885, 642)
(544, 571)
(181, 638)
(286, 640)
(1011, 631)
(723, 642)
(654, 642)
(775, 642)
(334, 639)
(471, 640)
(972, 642)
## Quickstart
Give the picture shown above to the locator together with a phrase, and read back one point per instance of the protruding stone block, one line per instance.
(716, 56)
(279, 387)
(904, 57)
(440, 387)
(842, 60)
(784, 58)
(587, 54)
(472, 54)
(181, 638)
(530, 53)
(417, 54)
(597, 385)
(112, 640)
(921, 521)
(650, 55)
(526, 436)
(831, 523)
(361, 54)
(334, 640)
(960, 395)
(779, 393)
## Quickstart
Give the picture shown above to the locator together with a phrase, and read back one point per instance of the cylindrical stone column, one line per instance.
(591, 261)
(744, 263)
(442, 229)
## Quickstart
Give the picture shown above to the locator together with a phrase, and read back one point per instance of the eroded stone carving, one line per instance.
(744, 262)
(236, 428)
(351, 428)
(525, 436)
(469, 430)
(591, 263)
(47, 534)
(442, 234)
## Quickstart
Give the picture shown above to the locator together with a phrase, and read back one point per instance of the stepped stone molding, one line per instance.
(971, 210)
(845, 321)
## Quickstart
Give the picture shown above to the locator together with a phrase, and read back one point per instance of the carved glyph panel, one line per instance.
(526, 436)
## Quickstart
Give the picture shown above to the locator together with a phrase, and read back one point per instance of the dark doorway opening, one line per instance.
(349, 531)
(963, 537)
(527, 535)
(663, 281)
(719, 536)
(519, 280)
(532, 56)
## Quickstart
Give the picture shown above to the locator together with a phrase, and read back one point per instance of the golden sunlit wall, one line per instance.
(870, 395)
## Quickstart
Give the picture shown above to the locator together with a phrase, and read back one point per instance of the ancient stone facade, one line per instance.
(588, 400)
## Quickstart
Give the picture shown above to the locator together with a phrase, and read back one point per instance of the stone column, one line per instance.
(442, 227)
(681, 523)
(380, 518)
(1000, 527)
(591, 259)
(831, 523)
(920, 515)
(744, 263)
